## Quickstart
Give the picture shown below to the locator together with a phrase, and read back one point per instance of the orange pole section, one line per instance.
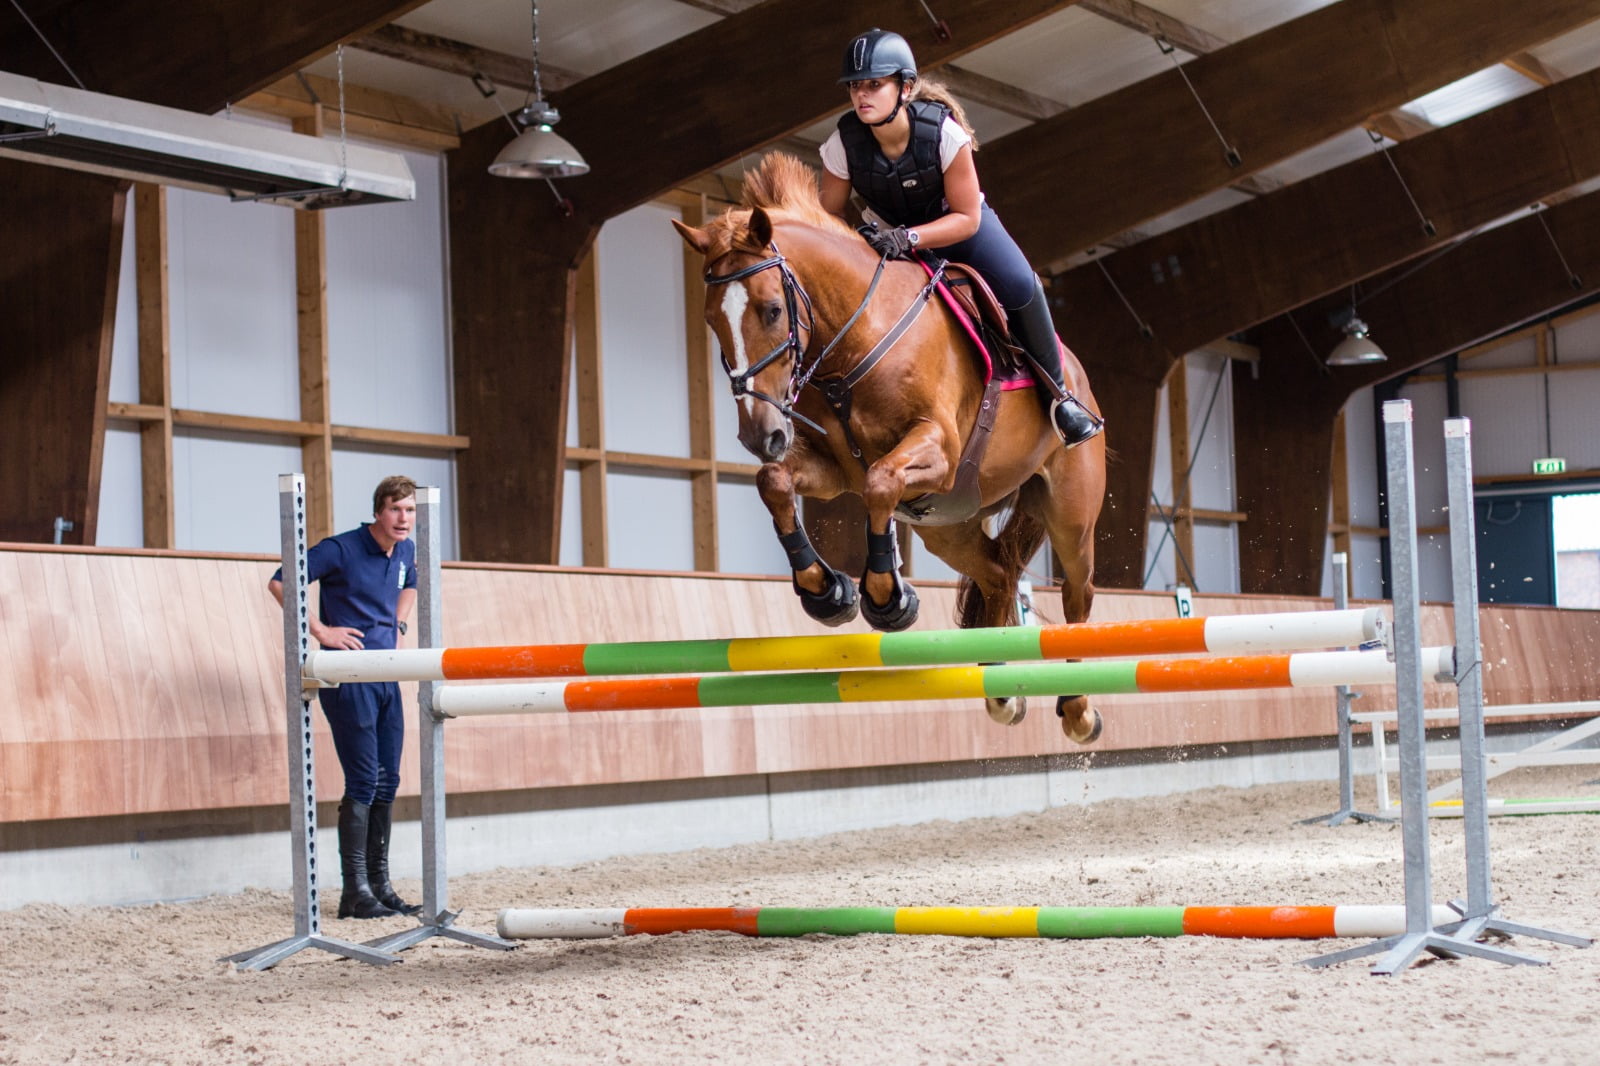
(554, 660)
(633, 694)
(659, 920)
(1307, 923)
(1162, 636)
(1193, 675)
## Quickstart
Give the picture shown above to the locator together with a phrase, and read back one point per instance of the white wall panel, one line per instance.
(356, 472)
(1211, 478)
(1361, 457)
(121, 516)
(642, 340)
(1521, 351)
(1160, 562)
(1216, 558)
(571, 553)
(125, 333)
(1428, 412)
(725, 415)
(649, 522)
(232, 301)
(1577, 341)
(1508, 422)
(226, 490)
(1574, 401)
(388, 334)
(746, 543)
(1366, 567)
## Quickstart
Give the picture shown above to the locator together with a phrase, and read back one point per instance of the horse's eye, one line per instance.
(772, 313)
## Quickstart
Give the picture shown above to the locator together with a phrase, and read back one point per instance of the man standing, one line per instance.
(369, 587)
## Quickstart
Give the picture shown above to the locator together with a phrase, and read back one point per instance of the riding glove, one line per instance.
(896, 242)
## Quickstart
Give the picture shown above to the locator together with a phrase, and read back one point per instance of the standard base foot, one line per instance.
(264, 958)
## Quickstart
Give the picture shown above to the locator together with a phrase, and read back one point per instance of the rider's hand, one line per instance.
(892, 243)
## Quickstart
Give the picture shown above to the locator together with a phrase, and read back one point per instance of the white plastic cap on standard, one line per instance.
(427, 494)
(1458, 427)
(290, 482)
(1397, 410)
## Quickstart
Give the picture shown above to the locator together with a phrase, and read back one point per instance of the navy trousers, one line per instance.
(369, 727)
(992, 253)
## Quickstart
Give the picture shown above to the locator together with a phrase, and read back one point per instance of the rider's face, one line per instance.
(874, 98)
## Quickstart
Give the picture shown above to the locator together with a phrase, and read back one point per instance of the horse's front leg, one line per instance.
(919, 464)
(827, 595)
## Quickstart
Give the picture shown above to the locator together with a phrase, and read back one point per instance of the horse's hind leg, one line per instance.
(1068, 503)
(988, 592)
(827, 595)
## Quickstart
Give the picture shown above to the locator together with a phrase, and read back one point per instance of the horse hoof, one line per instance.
(899, 613)
(1007, 710)
(834, 607)
(1080, 729)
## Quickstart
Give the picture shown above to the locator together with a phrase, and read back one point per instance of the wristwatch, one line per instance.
(913, 238)
(401, 626)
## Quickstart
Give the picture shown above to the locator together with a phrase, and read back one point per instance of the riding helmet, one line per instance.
(878, 54)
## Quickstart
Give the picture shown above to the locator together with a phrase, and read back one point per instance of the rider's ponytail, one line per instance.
(924, 89)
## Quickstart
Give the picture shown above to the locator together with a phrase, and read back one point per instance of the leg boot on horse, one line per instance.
(1034, 329)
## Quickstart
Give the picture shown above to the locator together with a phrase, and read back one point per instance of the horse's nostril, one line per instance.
(777, 443)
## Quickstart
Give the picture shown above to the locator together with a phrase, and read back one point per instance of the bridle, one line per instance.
(802, 370)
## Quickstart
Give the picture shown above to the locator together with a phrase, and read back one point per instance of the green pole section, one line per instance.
(1060, 679)
(740, 690)
(959, 646)
(1087, 923)
(657, 657)
(836, 921)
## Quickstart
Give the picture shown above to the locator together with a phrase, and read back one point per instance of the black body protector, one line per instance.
(910, 190)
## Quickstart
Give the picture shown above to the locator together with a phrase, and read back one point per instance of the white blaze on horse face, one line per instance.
(735, 298)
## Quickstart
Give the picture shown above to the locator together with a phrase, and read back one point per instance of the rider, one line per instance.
(906, 148)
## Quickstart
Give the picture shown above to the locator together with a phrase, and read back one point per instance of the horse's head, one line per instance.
(754, 306)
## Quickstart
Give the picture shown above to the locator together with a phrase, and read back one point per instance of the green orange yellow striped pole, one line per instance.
(937, 683)
(1223, 635)
(1057, 923)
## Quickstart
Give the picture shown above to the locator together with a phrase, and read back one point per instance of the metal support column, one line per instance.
(436, 918)
(302, 771)
(1480, 914)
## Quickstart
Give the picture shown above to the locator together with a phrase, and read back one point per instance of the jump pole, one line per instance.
(1054, 923)
(302, 771)
(1297, 670)
(1223, 635)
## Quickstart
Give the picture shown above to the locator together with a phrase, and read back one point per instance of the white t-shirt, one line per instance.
(952, 138)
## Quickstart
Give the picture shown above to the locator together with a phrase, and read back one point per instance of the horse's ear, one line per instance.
(698, 239)
(760, 228)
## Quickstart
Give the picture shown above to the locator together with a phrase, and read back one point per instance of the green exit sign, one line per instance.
(1549, 466)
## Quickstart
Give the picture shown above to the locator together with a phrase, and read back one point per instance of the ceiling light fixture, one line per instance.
(538, 151)
(1357, 349)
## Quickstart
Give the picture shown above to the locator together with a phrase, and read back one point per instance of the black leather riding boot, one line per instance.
(357, 900)
(1033, 328)
(378, 826)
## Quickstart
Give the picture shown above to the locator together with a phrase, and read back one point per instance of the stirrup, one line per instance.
(1074, 423)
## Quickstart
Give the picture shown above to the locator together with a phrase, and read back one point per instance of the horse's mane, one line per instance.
(785, 188)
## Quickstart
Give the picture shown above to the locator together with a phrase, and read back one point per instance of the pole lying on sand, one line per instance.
(1057, 923)
(1250, 634)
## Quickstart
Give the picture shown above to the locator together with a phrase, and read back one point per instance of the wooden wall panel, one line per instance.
(149, 681)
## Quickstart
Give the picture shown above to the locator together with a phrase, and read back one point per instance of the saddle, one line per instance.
(975, 306)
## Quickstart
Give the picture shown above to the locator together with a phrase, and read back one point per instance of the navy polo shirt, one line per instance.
(360, 584)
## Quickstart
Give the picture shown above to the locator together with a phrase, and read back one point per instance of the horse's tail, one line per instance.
(1018, 541)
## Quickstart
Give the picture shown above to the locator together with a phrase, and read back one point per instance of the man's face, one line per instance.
(393, 523)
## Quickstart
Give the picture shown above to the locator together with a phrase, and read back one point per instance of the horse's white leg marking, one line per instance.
(735, 298)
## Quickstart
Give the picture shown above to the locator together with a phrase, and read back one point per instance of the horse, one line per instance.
(844, 392)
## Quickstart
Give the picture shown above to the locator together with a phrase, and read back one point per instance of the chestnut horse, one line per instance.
(848, 380)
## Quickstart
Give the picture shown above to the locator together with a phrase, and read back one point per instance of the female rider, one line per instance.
(906, 148)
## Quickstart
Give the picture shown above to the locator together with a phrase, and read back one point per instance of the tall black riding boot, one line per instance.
(378, 825)
(1033, 328)
(357, 900)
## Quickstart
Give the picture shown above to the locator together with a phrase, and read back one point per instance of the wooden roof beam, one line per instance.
(1152, 151)
(457, 57)
(199, 57)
